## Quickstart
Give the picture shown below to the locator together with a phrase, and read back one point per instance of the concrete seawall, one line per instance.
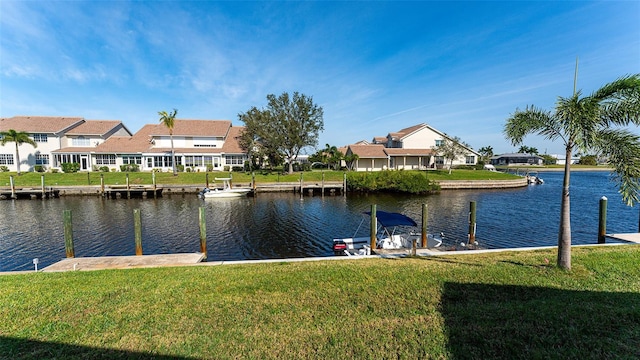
(482, 184)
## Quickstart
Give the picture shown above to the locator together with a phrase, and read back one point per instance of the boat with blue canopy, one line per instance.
(394, 231)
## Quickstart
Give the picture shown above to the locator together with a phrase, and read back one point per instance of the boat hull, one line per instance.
(226, 193)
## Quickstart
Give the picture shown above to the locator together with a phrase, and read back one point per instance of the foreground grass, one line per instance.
(507, 305)
(200, 178)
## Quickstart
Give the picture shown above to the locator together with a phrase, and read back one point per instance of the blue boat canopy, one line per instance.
(388, 219)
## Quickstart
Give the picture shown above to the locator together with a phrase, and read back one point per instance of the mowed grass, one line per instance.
(495, 305)
(32, 179)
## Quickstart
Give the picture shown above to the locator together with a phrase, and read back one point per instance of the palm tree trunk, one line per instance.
(564, 233)
(17, 157)
(173, 156)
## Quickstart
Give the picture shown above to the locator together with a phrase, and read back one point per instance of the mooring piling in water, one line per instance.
(374, 227)
(424, 226)
(203, 231)
(68, 234)
(13, 187)
(137, 229)
(472, 222)
(602, 220)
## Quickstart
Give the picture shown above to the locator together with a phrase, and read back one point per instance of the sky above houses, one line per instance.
(374, 67)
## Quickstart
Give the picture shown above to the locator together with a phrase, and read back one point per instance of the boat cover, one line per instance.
(389, 219)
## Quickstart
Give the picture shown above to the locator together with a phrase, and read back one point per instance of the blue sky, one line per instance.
(374, 67)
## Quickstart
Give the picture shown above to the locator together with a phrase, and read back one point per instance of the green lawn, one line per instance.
(497, 305)
(93, 178)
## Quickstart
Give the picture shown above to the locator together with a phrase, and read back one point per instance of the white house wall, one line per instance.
(422, 139)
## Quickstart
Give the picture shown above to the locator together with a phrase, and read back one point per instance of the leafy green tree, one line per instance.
(588, 123)
(288, 124)
(548, 159)
(168, 120)
(591, 160)
(451, 149)
(19, 138)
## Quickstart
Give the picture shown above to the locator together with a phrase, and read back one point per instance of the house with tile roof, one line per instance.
(75, 135)
(409, 148)
(199, 145)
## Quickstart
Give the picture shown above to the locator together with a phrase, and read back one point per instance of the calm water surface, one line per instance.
(284, 225)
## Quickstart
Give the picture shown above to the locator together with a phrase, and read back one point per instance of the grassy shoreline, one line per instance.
(493, 305)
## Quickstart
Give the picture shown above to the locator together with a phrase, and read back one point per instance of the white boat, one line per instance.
(392, 233)
(225, 192)
(533, 178)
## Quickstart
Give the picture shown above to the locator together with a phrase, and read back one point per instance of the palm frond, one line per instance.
(622, 148)
(531, 121)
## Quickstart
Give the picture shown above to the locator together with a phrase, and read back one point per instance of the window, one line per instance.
(163, 161)
(132, 159)
(42, 138)
(439, 142)
(66, 158)
(440, 160)
(204, 145)
(80, 141)
(234, 159)
(42, 159)
(108, 159)
(6, 159)
(470, 160)
(193, 161)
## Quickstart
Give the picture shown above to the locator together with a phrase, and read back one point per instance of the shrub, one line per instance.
(70, 167)
(180, 168)
(236, 168)
(412, 182)
(4, 168)
(209, 167)
(39, 168)
(104, 168)
(225, 168)
(130, 168)
(54, 171)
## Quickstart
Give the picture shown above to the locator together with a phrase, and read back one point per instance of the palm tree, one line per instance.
(18, 137)
(589, 123)
(168, 119)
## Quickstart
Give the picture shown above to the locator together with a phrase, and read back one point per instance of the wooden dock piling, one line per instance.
(13, 187)
(424, 226)
(203, 231)
(373, 227)
(472, 222)
(137, 228)
(602, 220)
(68, 234)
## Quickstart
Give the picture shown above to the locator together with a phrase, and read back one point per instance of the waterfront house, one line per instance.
(518, 159)
(409, 148)
(59, 140)
(199, 145)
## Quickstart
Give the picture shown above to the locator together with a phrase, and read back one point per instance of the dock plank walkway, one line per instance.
(630, 237)
(125, 262)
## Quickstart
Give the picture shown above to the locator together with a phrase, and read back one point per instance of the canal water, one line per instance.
(284, 225)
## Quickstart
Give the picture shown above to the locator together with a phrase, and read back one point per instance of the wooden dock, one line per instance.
(28, 193)
(125, 262)
(127, 192)
(630, 237)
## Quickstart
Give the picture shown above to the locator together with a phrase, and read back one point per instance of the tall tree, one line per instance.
(288, 124)
(18, 137)
(168, 120)
(590, 123)
(451, 149)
